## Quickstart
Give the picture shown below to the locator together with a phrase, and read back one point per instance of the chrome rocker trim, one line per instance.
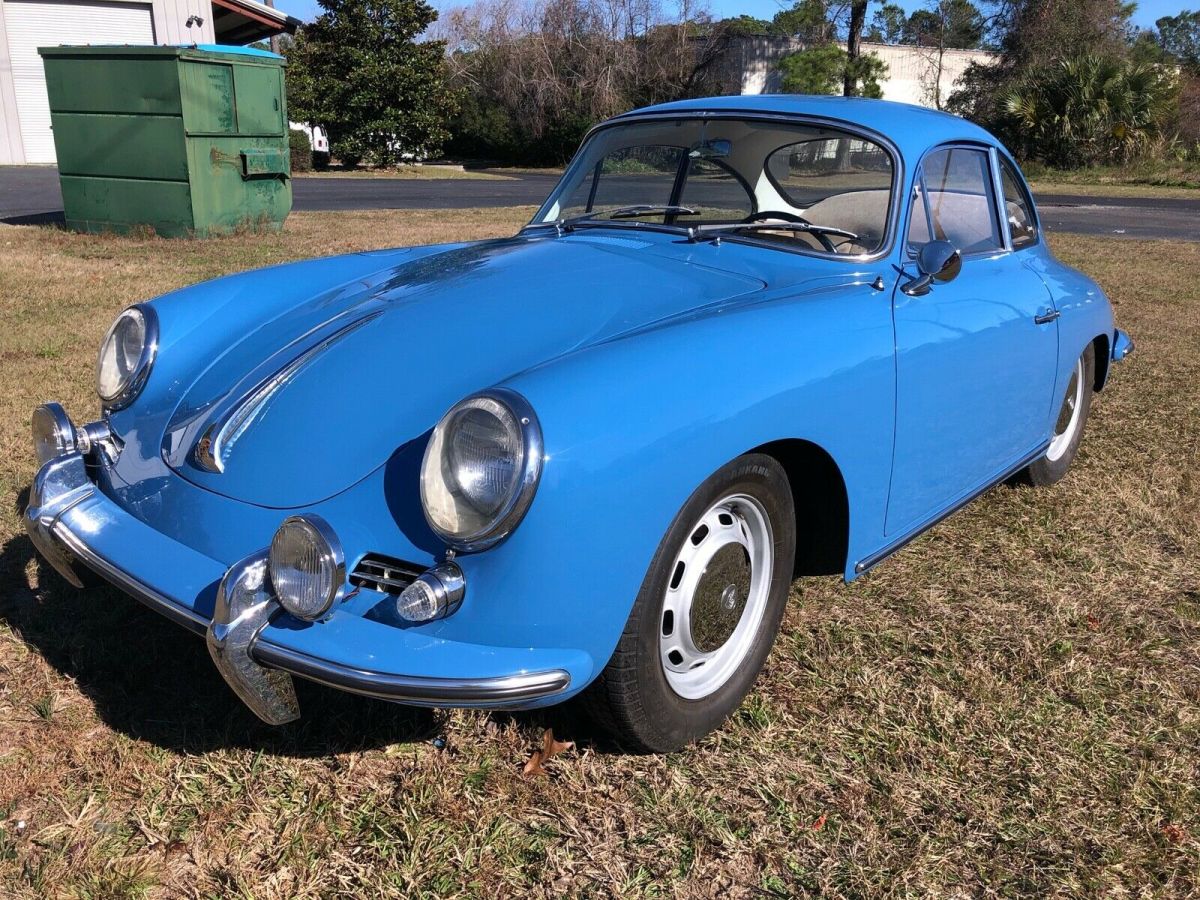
(900, 543)
(247, 661)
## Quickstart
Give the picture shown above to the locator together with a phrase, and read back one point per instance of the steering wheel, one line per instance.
(765, 214)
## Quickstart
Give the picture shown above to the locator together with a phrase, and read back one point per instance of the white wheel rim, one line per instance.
(716, 596)
(1068, 415)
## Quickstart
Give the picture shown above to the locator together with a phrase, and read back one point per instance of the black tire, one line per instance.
(320, 160)
(1047, 470)
(632, 699)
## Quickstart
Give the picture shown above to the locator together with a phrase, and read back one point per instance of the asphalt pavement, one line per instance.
(30, 194)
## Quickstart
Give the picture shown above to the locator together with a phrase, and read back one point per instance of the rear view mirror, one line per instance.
(936, 261)
(711, 149)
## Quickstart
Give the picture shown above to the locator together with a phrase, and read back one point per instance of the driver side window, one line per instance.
(953, 201)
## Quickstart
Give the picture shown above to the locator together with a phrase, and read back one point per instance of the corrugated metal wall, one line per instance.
(27, 24)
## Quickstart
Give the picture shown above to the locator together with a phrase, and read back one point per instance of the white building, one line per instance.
(25, 25)
(914, 74)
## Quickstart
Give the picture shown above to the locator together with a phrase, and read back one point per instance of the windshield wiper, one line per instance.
(633, 212)
(624, 212)
(703, 232)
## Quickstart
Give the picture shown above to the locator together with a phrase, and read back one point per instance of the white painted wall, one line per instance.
(912, 75)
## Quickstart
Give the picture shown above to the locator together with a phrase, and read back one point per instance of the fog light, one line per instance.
(53, 433)
(307, 566)
(434, 595)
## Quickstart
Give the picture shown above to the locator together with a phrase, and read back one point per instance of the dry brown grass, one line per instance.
(1009, 706)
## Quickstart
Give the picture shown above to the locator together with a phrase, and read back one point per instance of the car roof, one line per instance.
(911, 128)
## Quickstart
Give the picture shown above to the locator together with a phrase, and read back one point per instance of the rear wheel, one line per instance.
(1068, 428)
(707, 613)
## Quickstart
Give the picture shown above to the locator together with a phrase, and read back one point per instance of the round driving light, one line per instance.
(53, 433)
(434, 595)
(308, 569)
(481, 469)
(126, 355)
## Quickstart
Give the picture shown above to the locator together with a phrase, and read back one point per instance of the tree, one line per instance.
(817, 70)
(745, 26)
(1033, 36)
(858, 15)
(949, 24)
(943, 25)
(1091, 109)
(534, 76)
(822, 67)
(810, 21)
(359, 71)
(888, 25)
(1179, 36)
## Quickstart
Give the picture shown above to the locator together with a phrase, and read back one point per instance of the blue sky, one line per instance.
(1147, 12)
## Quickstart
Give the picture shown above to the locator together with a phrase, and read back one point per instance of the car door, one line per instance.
(975, 356)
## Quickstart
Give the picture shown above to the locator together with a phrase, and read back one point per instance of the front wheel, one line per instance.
(707, 613)
(1068, 428)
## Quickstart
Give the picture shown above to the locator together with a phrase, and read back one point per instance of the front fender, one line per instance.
(633, 426)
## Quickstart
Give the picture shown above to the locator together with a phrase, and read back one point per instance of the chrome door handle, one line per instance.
(1046, 318)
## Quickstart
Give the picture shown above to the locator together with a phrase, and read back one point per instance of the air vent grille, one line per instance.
(383, 573)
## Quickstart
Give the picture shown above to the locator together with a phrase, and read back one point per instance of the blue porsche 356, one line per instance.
(745, 339)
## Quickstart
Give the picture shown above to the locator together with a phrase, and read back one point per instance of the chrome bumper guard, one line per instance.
(259, 671)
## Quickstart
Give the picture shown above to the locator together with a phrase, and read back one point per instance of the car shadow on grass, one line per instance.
(153, 681)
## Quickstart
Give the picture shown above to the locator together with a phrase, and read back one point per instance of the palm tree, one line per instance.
(1090, 109)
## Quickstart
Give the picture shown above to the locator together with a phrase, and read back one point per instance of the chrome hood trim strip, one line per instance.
(215, 444)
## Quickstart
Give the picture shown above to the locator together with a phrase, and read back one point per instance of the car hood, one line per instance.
(314, 397)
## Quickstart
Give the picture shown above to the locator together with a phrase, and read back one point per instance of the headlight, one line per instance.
(308, 569)
(126, 356)
(481, 469)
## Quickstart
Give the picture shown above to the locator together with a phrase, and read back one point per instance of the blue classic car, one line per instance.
(745, 339)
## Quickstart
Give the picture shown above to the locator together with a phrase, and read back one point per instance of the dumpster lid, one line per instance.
(193, 51)
(224, 48)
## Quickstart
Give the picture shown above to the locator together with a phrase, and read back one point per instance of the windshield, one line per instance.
(829, 191)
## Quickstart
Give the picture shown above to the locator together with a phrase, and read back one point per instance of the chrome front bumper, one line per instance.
(68, 520)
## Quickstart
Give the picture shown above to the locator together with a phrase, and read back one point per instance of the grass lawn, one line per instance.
(1010, 706)
(1153, 173)
(1084, 189)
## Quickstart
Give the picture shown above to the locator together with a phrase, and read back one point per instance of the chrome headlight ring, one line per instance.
(451, 488)
(128, 384)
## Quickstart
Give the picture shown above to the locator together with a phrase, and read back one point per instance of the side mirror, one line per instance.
(936, 261)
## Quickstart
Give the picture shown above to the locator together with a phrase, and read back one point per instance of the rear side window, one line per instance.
(959, 207)
(1018, 208)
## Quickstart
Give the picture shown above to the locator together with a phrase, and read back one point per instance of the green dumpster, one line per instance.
(183, 140)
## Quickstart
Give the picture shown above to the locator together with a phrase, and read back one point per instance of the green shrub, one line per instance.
(1090, 110)
(301, 149)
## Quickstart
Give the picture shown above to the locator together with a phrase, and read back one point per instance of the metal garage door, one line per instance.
(34, 23)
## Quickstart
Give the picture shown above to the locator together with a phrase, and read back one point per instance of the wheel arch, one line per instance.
(821, 503)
